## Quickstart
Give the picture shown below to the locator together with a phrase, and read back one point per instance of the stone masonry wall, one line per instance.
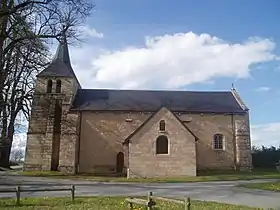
(205, 126)
(181, 158)
(39, 136)
(68, 143)
(69, 128)
(104, 131)
(243, 144)
(102, 135)
(41, 125)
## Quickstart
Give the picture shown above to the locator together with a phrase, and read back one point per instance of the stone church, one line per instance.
(135, 133)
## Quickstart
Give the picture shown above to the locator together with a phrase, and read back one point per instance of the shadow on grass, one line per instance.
(105, 203)
(41, 202)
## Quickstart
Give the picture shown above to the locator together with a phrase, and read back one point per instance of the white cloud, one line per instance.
(173, 61)
(92, 32)
(263, 89)
(266, 134)
(81, 63)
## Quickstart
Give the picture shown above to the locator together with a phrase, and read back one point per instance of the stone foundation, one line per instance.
(32, 167)
(71, 170)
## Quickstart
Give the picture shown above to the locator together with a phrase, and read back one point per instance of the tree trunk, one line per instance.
(5, 155)
(7, 146)
(3, 26)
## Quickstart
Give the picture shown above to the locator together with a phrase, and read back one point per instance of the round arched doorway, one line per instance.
(120, 163)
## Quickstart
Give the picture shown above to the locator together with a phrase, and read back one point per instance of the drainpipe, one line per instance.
(128, 169)
(79, 142)
(234, 140)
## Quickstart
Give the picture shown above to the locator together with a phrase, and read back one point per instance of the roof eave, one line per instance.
(154, 110)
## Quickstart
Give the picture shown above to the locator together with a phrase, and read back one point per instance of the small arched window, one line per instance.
(218, 141)
(162, 125)
(49, 86)
(162, 145)
(58, 86)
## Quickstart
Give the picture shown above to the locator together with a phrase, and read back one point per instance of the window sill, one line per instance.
(219, 150)
(52, 93)
(162, 154)
(162, 132)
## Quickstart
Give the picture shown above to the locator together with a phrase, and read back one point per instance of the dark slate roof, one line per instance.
(152, 100)
(58, 69)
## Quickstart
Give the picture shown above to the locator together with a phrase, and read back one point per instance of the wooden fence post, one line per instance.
(149, 200)
(149, 195)
(187, 203)
(73, 192)
(18, 195)
(130, 204)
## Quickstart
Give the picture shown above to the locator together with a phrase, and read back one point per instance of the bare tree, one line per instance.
(24, 63)
(26, 27)
(35, 19)
(17, 155)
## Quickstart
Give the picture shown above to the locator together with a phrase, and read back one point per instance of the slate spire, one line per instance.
(62, 52)
(60, 64)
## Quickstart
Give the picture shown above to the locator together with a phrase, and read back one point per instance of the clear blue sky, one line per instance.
(127, 22)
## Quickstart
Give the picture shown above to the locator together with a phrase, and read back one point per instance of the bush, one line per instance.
(265, 157)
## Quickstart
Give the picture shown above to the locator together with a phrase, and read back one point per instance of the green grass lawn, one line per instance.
(272, 186)
(105, 203)
(202, 176)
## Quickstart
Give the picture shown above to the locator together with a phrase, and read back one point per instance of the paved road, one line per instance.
(226, 191)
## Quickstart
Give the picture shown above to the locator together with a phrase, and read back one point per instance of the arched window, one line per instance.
(218, 141)
(162, 125)
(162, 145)
(49, 86)
(58, 86)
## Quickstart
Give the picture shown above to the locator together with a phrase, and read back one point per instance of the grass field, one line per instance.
(202, 176)
(272, 186)
(105, 203)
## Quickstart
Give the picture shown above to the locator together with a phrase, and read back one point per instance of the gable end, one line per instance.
(239, 100)
(127, 140)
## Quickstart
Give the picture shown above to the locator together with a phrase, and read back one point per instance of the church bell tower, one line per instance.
(54, 92)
